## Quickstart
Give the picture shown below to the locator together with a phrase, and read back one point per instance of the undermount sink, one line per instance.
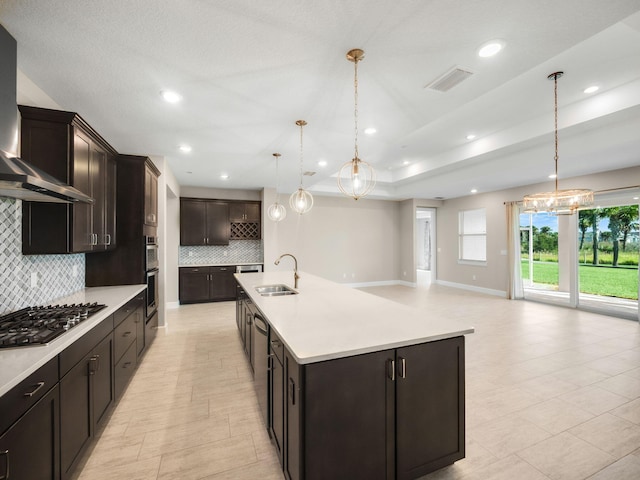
(275, 290)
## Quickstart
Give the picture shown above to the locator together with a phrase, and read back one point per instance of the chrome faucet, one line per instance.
(295, 267)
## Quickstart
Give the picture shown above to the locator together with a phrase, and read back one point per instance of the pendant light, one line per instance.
(356, 178)
(558, 202)
(276, 211)
(301, 200)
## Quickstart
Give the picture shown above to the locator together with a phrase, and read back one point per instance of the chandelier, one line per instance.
(559, 202)
(301, 200)
(276, 211)
(356, 178)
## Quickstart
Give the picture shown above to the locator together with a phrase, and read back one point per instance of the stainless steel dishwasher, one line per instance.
(260, 352)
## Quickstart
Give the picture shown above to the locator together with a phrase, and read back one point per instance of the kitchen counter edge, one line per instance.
(20, 362)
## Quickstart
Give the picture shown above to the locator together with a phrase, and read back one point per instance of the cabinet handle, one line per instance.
(276, 343)
(403, 368)
(391, 369)
(126, 364)
(270, 362)
(95, 364)
(6, 465)
(292, 391)
(223, 269)
(37, 386)
(107, 239)
(126, 334)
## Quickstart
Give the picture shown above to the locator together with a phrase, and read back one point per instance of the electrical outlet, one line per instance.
(344, 275)
(473, 277)
(404, 274)
(353, 275)
(191, 254)
(225, 253)
(74, 271)
(34, 279)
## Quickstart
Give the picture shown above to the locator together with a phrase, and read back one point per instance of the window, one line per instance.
(473, 236)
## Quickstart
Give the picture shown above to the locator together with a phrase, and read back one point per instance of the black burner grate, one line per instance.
(40, 325)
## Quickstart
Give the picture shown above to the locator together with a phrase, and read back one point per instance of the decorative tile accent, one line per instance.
(55, 272)
(238, 251)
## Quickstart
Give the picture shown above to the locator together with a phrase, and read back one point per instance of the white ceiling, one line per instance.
(248, 70)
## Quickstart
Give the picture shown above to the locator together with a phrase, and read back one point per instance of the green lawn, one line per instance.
(608, 281)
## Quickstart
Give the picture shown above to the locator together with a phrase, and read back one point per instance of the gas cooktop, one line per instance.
(40, 325)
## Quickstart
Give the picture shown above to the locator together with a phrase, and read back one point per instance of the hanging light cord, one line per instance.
(301, 126)
(277, 178)
(555, 113)
(355, 111)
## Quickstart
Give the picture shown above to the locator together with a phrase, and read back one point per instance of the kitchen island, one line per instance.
(360, 387)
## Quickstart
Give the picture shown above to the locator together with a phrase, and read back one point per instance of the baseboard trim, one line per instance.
(170, 305)
(462, 286)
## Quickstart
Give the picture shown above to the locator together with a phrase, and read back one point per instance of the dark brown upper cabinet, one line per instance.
(204, 222)
(65, 146)
(150, 196)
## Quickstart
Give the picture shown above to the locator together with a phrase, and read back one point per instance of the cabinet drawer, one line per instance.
(230, 269)
(124, 336)
(124, 370)
(194, 270)
(24, 395)
(128, 308)
(275, 345)
(77, 350)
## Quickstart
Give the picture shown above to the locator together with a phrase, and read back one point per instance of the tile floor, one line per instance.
(552, 393)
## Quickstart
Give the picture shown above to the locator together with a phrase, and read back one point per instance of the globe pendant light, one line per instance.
(558, 202)
(356, 178)
(301, 200)
(276, 211)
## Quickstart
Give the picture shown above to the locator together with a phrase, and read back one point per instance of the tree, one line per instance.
(628, 216)
(584, 222)
(592, 216)
(615, 226)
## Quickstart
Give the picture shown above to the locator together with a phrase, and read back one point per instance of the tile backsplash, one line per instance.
(56, 275)
(238, 251)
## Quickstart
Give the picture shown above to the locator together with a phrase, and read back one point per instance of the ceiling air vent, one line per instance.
(449, 79)
(309, 174)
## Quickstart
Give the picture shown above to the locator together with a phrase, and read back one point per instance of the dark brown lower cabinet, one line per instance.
(394, 414)
(207, 284)
(86, 393)
(30, 449)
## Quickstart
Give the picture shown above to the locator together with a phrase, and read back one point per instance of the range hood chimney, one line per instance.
(19, 179)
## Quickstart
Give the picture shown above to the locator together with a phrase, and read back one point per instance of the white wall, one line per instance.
(339, 239)
(493, 276)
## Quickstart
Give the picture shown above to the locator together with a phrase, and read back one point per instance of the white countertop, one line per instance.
(327, 320)
(18, 363)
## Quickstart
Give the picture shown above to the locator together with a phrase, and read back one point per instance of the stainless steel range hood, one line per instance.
(18, 179)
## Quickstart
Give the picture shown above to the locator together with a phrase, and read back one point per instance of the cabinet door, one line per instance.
(194, 285)
(347, 423)
(150, 198)
(101, 369)
(223, 284)
(75, 414)
(193, 222)
(218, 228)
(430, 407)
(252, 212)
(97, 173)
(140, 330)
(32, 443)
(236, 212)
(109, 239)
(81, 234)
(293, 447)
(277, 405)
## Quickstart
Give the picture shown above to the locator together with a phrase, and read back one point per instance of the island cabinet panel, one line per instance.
(430, 407)
(392, 414)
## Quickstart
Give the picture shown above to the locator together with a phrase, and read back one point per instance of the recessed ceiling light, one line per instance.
(322, 163)
(471, 136)
(370, 130)
(224, 176)
(185, 148)
(170, 96)
(591, 89)
(636, 198)
(474, 190)
(553, 175)
(406, 162)
(489, 49)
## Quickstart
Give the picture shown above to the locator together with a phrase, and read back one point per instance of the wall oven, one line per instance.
(152, 292)
(151, 253)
